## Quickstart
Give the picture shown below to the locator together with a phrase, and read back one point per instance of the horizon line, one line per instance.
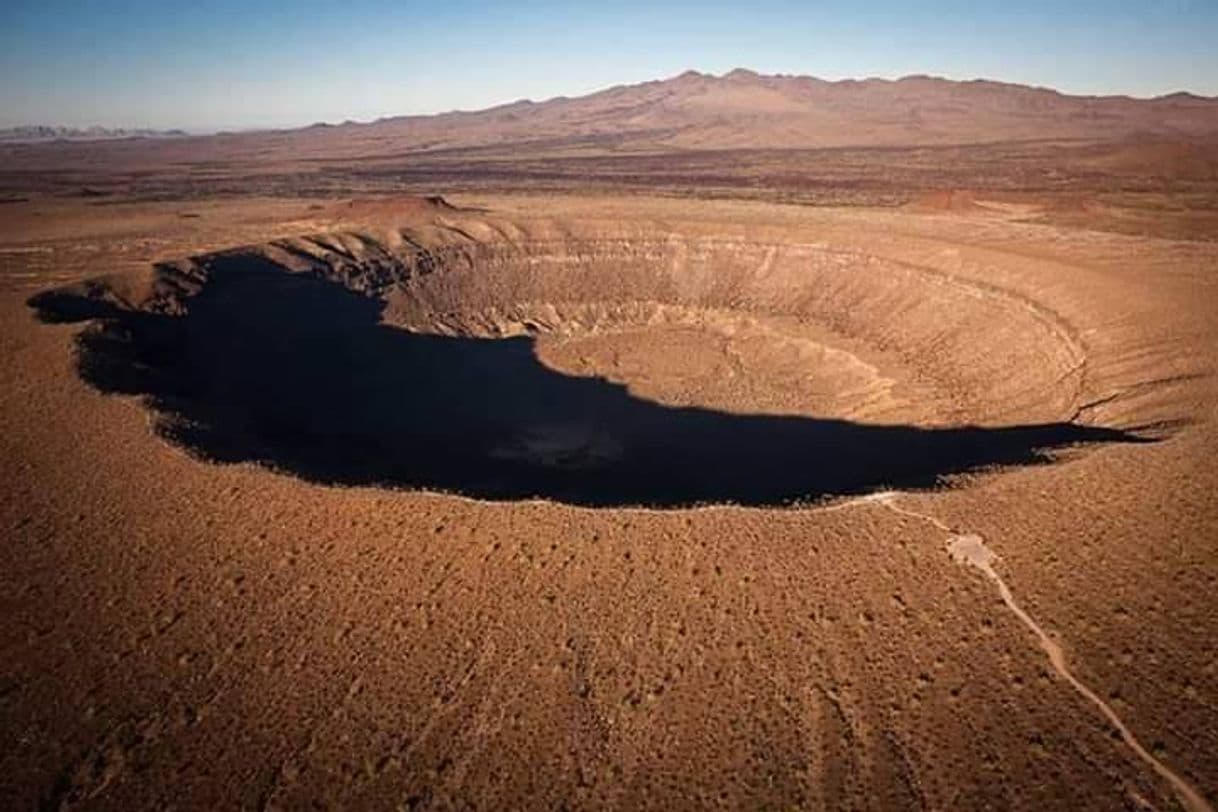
(214, 130)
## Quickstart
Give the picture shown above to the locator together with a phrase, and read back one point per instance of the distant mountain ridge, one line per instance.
(741, 109)
(43, 132)
(747, 109)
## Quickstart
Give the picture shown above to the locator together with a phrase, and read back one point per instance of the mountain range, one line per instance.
(743, 109)
(697, 112)
(43, 132)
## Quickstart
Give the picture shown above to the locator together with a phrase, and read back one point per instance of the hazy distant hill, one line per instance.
(42, 132)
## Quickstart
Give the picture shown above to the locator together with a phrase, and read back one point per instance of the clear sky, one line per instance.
(209, 64)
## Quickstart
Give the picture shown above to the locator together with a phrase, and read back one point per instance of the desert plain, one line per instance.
(541, 460)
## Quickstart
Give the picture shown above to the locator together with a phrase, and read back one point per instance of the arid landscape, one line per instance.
(736, 441)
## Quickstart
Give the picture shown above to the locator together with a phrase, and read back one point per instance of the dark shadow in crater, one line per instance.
(296, 372)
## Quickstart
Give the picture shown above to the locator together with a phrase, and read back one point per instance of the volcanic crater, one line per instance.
(592, 363)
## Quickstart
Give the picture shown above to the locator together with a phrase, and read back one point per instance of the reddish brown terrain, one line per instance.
(749, 442)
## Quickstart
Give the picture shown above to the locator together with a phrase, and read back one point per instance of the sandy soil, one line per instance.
(190, 634)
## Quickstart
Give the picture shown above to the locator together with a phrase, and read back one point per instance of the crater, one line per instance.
(590, 364)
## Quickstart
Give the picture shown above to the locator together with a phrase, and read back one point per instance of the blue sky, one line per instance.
(212, 64)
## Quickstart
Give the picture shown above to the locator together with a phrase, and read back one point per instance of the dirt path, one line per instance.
(970, 550)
